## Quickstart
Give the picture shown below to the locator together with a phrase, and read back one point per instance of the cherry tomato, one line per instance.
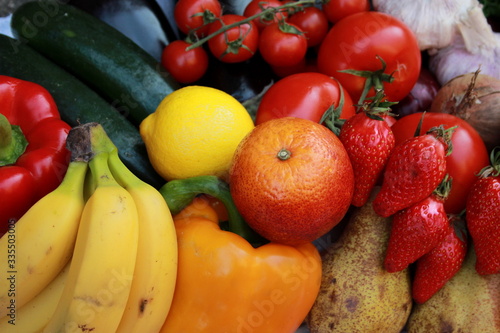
(313, 22)
(357, 41)
(236, 44)
(186, 66)
(256, 6)
(194, 14)
(282, 44)
(468, 157)
(338, 9)
(303, 95)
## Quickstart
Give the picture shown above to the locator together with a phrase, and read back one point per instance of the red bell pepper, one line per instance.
(33, 154)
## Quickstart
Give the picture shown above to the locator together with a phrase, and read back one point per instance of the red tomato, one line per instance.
(357, 41)
(187, 15)
(313, 22)
(468, 157)
(282, 44)
(185, 66)
(338, 9)
(236, 44)
(303, 95)
(255, 7)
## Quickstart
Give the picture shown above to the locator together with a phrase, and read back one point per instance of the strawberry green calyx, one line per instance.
(444, 188)
(444, 136)
(492, 170)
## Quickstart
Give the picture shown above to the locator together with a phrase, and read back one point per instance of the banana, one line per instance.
(41, 243)
(34, 315)
(101, 271)
(156, 267)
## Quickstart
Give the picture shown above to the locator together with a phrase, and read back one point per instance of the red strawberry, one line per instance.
(435, 268)
(414, 169)
(368, 139)
(483, 217)
(416, 230)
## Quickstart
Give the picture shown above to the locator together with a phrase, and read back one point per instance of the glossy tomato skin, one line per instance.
(357, 41)
(279, 48)
(185, 66)
(335, 10)
(248, 32)
(186, 14)
(468, 157)
(303, 95)
(313, 22)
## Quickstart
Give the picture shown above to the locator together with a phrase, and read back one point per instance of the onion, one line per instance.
(475, 98)
(420, 97)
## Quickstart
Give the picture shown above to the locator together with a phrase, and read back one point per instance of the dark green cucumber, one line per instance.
(78, 104)
(96, 53)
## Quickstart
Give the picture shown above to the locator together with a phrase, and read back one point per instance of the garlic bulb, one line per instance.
(436, 22)
(455, 60)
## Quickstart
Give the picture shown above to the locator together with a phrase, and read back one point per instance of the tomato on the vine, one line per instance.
(305, 95)
(196, 14)
(282, 44)
(256, 6)
(313, 22)
(335, 10)
(186, 66)
(236, 44)
(468, 157)
(360, 41)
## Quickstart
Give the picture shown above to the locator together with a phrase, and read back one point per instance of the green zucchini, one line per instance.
(96, 53)
(78, 104)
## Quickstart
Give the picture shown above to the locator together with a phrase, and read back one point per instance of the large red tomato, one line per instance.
(468, 157)
(303, 95)
(358, 40)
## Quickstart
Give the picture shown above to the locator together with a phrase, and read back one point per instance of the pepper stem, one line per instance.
(12, 142)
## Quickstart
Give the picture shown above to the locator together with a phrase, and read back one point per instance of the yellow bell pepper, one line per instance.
(224, 284)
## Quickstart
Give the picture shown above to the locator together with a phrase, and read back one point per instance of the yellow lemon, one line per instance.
(195, 131)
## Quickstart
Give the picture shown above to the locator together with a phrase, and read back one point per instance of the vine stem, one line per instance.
(266, 11)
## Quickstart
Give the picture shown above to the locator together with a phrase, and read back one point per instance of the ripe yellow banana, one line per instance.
(156, 267)
(41, 243)
(102, 267)
(34, 315)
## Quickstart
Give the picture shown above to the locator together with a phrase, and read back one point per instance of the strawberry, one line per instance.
(415, 168)
(483, 216)
(416, 230)
(368, 140)
(439, 265)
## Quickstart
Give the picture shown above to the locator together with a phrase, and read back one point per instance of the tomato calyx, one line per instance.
(444, 136)
(331, 118)
(374, 79)
(266, 13)
(443, 190)
(289, 28)
(234, 46)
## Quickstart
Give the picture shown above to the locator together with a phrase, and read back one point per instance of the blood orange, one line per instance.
(291, 180)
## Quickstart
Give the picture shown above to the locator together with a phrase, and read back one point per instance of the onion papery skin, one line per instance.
(477, 101)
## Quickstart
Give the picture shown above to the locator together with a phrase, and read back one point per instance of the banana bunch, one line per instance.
(98, 254)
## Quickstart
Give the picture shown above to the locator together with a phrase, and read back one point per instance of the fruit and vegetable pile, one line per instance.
(266, 166)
